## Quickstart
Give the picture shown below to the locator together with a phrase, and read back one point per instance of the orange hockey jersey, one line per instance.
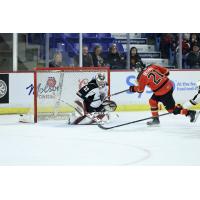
(155, 77)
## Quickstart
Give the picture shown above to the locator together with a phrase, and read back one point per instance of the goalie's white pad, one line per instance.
(80, 116)
(26, 118)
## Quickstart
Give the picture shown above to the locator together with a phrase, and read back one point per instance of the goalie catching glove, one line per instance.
(109, 106)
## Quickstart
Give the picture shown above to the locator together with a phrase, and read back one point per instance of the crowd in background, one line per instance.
(167, 44)
(99, 51)
(169, 48)
(114, 59)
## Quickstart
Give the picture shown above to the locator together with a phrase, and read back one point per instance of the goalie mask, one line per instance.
(109, 106)
(101, 80)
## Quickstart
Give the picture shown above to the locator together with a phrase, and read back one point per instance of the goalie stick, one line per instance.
(132, 122)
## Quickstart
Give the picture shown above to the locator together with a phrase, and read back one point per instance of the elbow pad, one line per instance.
(167, 74)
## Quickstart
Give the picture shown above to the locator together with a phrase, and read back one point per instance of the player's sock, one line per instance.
(154, 112)
(180, 110)
(154, 107)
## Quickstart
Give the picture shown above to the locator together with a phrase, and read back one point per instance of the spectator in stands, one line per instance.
(186, 36)
(134, 57)
(57, 60)
(185, 51)
(193, 58)
(97, 58)
(185, 46)
(165, 44)
(194, 39)
(114, 59)
(87, 58)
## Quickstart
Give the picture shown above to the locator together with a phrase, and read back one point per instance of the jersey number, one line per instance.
(86, 88)
(153, 74)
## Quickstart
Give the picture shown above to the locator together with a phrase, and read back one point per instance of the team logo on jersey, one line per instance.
(83, 82)
(51, 82)
(3, 89)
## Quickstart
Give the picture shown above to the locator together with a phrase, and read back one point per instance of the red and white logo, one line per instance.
(51, 82)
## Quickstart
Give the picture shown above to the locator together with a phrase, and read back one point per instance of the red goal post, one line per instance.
(55, 86)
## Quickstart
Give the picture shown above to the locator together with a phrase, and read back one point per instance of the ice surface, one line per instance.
(175, 142)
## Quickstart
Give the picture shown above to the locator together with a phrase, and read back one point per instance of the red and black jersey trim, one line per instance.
(161, 86)
(139, 75)
(154, 108)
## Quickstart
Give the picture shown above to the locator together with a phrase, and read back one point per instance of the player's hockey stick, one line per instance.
(140, 120)
(114, 94)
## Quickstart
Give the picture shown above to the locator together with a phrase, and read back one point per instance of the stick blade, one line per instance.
(103, 127)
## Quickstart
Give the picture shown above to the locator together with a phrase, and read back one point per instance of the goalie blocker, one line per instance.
(92, 106)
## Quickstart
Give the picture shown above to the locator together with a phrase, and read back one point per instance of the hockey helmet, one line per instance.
(101, 79)
(139, 66)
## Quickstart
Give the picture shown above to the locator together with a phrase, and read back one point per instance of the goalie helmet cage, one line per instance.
(58, 85)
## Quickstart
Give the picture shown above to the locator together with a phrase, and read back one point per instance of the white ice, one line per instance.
(175, 142)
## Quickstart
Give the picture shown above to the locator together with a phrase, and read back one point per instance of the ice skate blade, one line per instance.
(154, 125)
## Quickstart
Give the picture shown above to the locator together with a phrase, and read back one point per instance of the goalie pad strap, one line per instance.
(78, 120)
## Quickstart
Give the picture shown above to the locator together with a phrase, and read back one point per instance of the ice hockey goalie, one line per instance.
(91, 105)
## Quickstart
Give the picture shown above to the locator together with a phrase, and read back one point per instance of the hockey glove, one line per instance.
(167, 74)
(131, 88)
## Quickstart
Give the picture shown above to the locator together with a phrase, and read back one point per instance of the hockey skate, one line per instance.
(193, 115)
(155, 122)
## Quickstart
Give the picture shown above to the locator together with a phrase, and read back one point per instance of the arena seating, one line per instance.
(69, 42)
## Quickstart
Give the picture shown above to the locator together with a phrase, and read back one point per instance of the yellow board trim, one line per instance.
(13, 110)
(120, 108)
(144, 107)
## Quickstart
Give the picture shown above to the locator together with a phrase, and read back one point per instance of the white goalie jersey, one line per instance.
(92, 94)
(92, 105)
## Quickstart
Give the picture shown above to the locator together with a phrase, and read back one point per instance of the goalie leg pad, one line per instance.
(78, 120)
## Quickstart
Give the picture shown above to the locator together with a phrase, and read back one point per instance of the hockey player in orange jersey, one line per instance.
(156, 78)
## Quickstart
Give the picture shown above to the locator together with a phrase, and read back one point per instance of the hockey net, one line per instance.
(55, 91)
